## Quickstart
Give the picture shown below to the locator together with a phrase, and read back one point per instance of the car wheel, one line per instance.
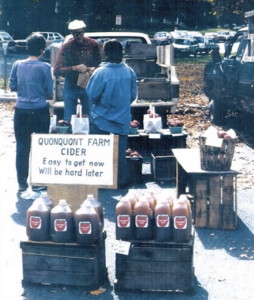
(195, 53)
(216, 111)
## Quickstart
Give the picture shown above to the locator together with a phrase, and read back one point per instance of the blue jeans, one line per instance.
(123, 169)
(26, 122)
(72, 93)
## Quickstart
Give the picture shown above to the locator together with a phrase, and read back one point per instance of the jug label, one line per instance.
(162, 221)
(85, 228)
(141, 221)
(180, 222)
(60, 225)
(35, 222)
(123, 221)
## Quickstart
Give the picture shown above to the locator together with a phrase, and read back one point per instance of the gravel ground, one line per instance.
(222, 259)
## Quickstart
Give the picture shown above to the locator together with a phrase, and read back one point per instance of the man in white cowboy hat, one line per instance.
(78, 55)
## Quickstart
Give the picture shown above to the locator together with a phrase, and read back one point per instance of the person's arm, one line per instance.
(133, 85)
(61, 67)
(48, 84)
(95, 87)
(13, 81)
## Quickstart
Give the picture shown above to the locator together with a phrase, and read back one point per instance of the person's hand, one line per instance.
(80, 68)
(91, 70)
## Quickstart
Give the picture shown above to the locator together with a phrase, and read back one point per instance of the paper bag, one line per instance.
(83, 79)
(80, 124)
(52, 124)
(152, 125)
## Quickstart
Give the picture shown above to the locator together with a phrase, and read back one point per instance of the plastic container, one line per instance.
(62, 228)
(37, 221)
(87, 224)
(98, 207)
(163, 221)
(143, 223)
(181, 221)
(124, 220)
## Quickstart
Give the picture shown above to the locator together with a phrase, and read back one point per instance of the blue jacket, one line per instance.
(32, 80)
(111, 90)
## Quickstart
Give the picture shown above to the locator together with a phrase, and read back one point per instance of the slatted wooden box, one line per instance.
(163, 167)
(64, 264)
(153, 266)
(215, 200)
(135, 169)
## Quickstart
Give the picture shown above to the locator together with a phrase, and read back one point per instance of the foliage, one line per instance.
(20, 18)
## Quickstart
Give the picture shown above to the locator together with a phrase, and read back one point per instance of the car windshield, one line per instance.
(6, 36)
(200, 39)
(161, 34)
(182, 42)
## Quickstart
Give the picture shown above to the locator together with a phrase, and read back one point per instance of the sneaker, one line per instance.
(38, 188)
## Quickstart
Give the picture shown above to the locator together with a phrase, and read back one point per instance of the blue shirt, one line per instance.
(111, 90)
(32, 80)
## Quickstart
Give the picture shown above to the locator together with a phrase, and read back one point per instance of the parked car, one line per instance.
(49, 36)
(163, 35)
(185, 47)
(222, 36)
(205, 44)
(177, 34)
(47, 53)
(6, 41)
(160, 42)
(210, 35)
(194, 34)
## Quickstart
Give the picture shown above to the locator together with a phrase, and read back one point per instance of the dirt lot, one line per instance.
(222, 259)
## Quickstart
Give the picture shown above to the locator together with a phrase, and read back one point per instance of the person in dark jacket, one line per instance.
(77, 56)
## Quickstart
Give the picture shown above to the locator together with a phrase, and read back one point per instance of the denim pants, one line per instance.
(26, 122)
(123, 170)
(72, 93)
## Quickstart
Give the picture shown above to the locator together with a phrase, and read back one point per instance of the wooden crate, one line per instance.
(64, 264)
(163, 167)
(153, 266)
(166, 142)
(215, 200)
(214, 158)
(135, 169)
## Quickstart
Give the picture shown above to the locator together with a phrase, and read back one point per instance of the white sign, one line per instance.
(72, 159)
(121, 247)
(118, 19)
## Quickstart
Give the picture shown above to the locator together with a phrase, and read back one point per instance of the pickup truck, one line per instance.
(229, 82)
(158, 84)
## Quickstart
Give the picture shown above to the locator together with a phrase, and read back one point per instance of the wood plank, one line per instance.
(200, 203)
(63, 278)
(190, 160)
(61, 264)
(156, 281)
(159, 255)
(181, 177)
(229, 217)
(151, 267)
(215, 202)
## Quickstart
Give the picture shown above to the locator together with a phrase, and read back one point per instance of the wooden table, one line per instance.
(214, 193)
